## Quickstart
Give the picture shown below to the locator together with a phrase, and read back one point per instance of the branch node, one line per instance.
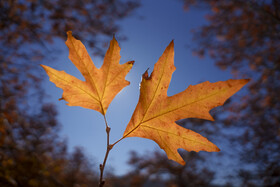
(108, 129)
(110, 146)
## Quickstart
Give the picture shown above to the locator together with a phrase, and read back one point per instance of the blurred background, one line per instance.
(44, 142)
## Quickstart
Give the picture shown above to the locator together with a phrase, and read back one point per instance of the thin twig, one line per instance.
(109, 147)
(118, 141)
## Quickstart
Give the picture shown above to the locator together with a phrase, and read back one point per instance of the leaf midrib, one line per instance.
(109, 67)
(91, 79)
(216, 93)
(152, 98)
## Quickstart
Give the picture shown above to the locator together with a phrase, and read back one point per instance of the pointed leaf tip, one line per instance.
(247, 80)
(171, 44)
(145, 75)
(69, 33)
(131, 62)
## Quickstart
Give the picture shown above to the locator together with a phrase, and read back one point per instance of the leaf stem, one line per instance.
(118, 141)
(109, 147)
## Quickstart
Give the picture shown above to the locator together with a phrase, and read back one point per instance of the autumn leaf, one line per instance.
(100, 85)
(155, 114)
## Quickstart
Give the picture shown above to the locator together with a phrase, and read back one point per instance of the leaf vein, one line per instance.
(183, 106)
(73, 85)
(181, 136)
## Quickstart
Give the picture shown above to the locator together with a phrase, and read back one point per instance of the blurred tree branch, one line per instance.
(28, 27)
(243, 36)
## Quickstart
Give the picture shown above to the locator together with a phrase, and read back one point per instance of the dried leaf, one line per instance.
(155, 114)
(100, 85)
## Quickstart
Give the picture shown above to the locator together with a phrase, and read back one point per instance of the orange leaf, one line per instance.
(155, 114)
(100, 85)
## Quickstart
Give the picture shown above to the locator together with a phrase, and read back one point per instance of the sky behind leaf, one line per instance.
(148, 32)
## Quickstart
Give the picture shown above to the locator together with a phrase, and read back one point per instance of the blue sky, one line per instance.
(163, 21)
